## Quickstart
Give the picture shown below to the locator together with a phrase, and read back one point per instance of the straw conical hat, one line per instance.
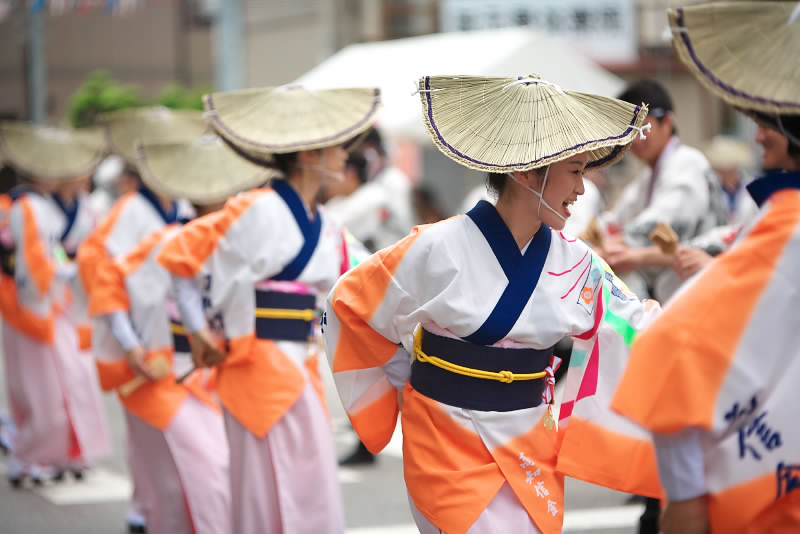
(743, 52)
(729, 153)
(204, 170)
(50, 154)
(127, 127)
(279, 120)
(506, 124)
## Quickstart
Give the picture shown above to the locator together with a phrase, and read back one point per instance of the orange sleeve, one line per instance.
(679, 365)
(355, 345)
(110, 292)
(38, 262)
(354, 301)
(93, 258)
(185, 254)
(5, 209)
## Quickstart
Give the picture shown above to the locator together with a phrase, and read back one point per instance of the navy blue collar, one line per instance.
(764, 186)
(521, 270)
(500, 238)
(23, 189)
(169, 217)
(310, 229)
(70, 212)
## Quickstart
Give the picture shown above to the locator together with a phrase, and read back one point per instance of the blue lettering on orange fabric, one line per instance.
(788, 478)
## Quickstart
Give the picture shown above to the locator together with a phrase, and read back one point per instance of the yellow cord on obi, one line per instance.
(281, 313)
(178, 329)
(501, 376)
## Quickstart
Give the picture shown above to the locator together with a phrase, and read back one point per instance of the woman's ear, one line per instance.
(531, 178)
(308, 157)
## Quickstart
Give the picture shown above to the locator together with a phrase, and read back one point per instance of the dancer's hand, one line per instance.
(136, 359)
(205, 352)
(690, 260)
(686, 517)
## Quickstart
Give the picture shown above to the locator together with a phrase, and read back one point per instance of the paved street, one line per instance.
(375, 498)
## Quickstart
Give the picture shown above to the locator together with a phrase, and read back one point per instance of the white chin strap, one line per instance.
(325, 173)
(542, 201)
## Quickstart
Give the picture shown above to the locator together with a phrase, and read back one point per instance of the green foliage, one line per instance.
(102, 94)
(176, 97)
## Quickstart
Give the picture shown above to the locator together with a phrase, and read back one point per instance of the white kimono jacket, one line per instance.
(379, 212)
(466, 278)
(680, 193)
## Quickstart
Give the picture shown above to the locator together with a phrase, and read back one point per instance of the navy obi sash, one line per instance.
(7, 259)
(311, 230)
(479, 393)
(284, 316)
(522, 271)
(180, 341)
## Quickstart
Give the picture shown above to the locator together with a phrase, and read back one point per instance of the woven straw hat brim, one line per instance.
(203, 170)
(280, 120)
(743, 52)
(124, 129)
(486, 124)
(51, 155)
(728, 153)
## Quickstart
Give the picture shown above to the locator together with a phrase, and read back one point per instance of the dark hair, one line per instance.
(133, 172)
(375, 139)
(496, 183)
(358, 163)
(8, 178)
(790, 124)
(654, 95)
(285, 162)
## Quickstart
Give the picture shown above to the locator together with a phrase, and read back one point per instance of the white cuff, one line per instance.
(398, 369)
(122, 330)
(190, 304)
(680, 464)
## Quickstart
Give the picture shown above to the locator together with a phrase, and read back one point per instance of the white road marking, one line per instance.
(574, 520)
(98, 485)
(350, 475)
(603, 518)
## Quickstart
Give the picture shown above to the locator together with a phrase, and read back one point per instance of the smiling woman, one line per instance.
(461, 318)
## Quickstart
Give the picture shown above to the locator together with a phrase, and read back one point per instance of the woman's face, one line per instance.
(564, 185)
(776, 148)
(333, 160)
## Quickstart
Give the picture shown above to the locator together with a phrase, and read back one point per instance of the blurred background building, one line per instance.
(240, 43)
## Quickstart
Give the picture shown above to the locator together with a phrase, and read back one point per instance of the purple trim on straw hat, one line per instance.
(338, 135)
(595, 163)
(716, 81)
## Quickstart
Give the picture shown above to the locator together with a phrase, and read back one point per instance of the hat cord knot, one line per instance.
(533, 80)
(642, 129)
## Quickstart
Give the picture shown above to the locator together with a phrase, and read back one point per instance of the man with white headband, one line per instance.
(674, 188)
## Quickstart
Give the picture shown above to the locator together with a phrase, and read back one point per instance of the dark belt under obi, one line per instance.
(180, 341)
(478, 377)
(285, 316)
(7, 259)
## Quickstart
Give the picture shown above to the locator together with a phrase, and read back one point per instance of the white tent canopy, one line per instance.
(395, 66)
